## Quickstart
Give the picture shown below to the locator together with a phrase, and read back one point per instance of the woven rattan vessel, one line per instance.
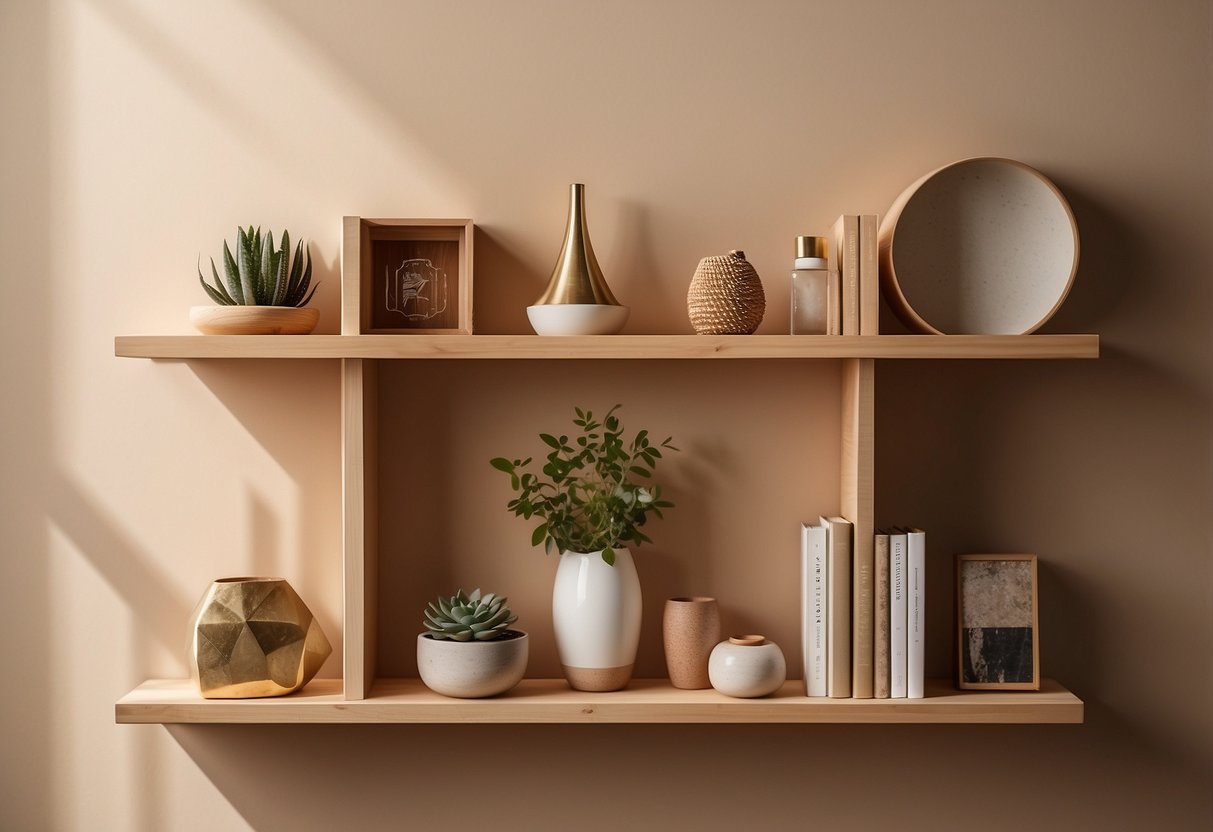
(726, 296)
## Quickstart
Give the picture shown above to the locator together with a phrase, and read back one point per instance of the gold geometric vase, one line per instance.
(254, 637)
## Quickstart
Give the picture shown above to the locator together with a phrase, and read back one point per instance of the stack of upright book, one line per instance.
(862, 623)
(854, 241)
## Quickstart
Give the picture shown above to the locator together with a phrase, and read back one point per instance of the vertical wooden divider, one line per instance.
(858, 451)
(359, 521)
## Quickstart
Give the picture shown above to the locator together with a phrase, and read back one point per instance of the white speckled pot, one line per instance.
(472, 669)
(747, 667)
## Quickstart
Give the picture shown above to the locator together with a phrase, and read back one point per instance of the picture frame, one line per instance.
(997, 623)
(406, 276)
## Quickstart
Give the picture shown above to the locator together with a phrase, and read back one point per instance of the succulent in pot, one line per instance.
(468, 650)
(264, 290)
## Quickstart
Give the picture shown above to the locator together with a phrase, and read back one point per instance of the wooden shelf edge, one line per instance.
(609, 346)
(551, 701)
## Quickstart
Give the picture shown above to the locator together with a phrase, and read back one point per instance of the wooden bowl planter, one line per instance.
(254, 320)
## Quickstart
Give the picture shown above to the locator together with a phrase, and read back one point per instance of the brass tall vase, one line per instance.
(577, 300)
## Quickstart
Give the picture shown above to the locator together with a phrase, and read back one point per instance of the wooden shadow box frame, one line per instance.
(373, 298)
(1034, 684)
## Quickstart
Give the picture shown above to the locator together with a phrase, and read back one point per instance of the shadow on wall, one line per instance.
(26, 720)
(600, 777)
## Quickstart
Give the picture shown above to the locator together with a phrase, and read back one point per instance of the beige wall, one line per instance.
(135, 135)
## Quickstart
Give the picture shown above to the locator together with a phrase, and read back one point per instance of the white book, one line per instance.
(897, 614)
(916, 573)
(813, 607)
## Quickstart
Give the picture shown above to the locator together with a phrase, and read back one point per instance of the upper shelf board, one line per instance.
(607, 346)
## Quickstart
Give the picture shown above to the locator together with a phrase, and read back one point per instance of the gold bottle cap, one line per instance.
(811, 247)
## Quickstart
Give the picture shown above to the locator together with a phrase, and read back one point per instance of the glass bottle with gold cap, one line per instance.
(816, 290)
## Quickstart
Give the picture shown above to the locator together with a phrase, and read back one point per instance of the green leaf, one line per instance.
(549, 546)
(608, 555)
(539, 534)
(640, 472)
(216, 292)
(246, 262)
(502, 464)
(550, 440)
(233, 274)
(229, 300)
(298, 294)
(265, 267)
(308, 299)
(295, 287)
(281, 260)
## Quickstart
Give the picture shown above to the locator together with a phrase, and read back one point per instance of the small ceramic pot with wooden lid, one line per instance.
(747, 667)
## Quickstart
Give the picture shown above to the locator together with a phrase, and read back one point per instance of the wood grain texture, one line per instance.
(359, 455)
(362, 251)
(858, 503)
(552, 701)
(351, 269)
(608, 346)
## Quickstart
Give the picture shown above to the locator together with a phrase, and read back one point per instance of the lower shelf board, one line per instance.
(552, 701)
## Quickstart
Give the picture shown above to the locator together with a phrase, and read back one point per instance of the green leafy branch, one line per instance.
(587, 493)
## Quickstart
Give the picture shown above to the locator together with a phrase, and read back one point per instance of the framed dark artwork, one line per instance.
(997, 625)
(411, 276)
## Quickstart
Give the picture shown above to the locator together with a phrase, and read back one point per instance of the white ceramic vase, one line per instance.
(596, 618)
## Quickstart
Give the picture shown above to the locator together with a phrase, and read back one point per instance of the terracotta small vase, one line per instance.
(691, 627)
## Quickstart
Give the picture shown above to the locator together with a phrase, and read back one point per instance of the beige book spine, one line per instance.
(880, 630)
(846, 248)
(862, 679)
(838, 580)
(869, 275)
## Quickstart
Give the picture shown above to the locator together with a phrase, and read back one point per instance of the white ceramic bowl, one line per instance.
(982, 246)
(577, 318)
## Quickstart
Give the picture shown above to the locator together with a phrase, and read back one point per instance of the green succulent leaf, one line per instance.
(216, 292)
(261, 273)
(232, 272)
(463, 617)
(265, 265)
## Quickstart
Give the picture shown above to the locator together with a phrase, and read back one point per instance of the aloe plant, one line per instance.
(472, 617)
(260, 274)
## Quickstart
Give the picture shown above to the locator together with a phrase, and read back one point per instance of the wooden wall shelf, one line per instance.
(362, 696)
(608, 346)
(551, 701)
